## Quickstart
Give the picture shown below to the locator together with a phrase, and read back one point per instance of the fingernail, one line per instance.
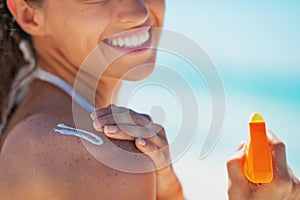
(142, 142)
(93, 116)
(111, 129)
(241, 146)
(96, 126)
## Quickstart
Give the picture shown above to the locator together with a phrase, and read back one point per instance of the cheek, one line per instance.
(75, 35)
(157, 7)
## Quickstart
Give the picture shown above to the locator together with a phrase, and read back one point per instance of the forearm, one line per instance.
(175, 193)
(172, 187)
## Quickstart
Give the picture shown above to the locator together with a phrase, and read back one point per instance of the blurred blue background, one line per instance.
(255, 46)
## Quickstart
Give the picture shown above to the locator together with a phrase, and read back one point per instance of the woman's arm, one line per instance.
(150, 138)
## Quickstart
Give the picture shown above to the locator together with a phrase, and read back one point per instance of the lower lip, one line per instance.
(135, 50)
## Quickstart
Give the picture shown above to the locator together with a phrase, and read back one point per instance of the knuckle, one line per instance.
(160, 126)
(164, 142)
(279, 145)
(161, 140)
(132, 115)
(125, 114)
(231, 162)
(111, 106)
(159, 129)
(155, 148)
(147, 117)
(145, 132)
(131, 112)
(140, 119)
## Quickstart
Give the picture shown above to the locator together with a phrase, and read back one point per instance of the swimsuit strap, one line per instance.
(63, 85)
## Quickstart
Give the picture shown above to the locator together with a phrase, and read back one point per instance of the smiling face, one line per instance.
(75, 27)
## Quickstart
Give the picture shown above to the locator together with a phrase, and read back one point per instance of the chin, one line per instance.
(132, 67)
(139, 73)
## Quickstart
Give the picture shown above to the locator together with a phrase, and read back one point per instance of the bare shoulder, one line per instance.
(38, 163)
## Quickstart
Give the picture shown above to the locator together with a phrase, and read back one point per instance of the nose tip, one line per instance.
(133, 12)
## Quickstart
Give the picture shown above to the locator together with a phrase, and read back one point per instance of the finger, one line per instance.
(100, 112)
(159, 141)
(138, 118)
(126, 117)
(158, 129)
(114, 119)
(115, 132)
(241, 146)
(147, 117)
(129, 132)
(278, 150)
(125, 132)
(159, 157)
(235, 166)
(160, 138)
(97, 127)
(272, 137)
(107, 110)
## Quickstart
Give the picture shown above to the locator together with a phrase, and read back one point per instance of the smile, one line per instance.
(130, 39)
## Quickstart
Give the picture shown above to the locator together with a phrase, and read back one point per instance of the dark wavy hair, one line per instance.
(11, 57)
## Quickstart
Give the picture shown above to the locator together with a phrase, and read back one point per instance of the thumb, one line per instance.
(235, 164)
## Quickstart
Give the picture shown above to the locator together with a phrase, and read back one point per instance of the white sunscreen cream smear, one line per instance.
(66, 130)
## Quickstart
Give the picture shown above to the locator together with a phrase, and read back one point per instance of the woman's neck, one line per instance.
(100, 92)
(89, 81)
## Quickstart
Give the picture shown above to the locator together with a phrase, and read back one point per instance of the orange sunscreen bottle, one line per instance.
(258, 159)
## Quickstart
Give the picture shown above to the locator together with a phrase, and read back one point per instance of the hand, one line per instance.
(284, 186)
(150, 138)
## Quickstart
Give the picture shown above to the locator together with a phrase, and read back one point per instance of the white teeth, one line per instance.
(129, 42)
(120, 42)
(134, 41)
(142, 39)
(115, 42)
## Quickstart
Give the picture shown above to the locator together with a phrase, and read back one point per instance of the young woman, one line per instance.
(35, 161)
(40, 161)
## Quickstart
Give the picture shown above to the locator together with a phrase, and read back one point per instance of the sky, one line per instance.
(244, 33)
